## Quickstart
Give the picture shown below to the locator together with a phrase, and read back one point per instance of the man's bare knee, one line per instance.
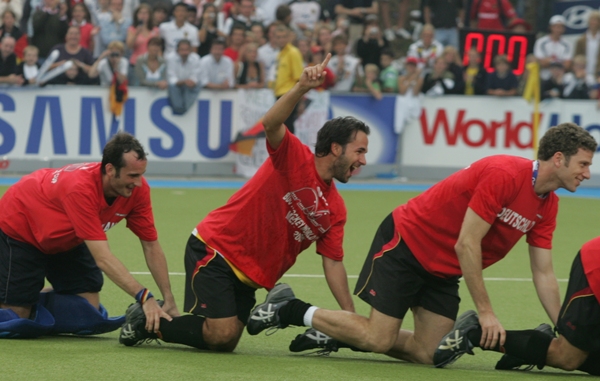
(222, 335)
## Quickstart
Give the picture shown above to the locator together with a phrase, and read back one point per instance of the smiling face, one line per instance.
(123, 182)
(350, 157)
(573, 171)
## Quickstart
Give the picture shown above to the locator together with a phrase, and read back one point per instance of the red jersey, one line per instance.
(500, 190)
(487, 13)
(231, 53)
(57, 209)
(276, 215)
(590, 259)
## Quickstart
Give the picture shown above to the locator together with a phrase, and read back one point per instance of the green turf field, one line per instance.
(267, 357)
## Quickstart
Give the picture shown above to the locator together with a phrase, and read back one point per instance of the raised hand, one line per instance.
(313, 76)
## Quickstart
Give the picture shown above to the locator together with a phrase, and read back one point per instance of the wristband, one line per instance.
(143, 296)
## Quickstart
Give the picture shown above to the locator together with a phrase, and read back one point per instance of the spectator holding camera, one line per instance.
(111, 63)
(370, 46)
(208, 31)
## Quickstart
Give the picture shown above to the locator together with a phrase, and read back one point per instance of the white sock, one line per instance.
(308, 316)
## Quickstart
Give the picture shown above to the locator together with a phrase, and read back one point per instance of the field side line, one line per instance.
(356, 276)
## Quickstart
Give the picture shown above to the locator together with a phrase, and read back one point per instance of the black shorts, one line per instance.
(392, 280)
(212, 289)
(579, 318)
(23, 268)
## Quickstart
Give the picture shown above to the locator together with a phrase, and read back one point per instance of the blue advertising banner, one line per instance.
(576, 13)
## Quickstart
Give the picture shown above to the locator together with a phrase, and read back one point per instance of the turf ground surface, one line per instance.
(262, 357)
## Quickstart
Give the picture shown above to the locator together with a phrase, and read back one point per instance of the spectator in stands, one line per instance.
(346, 67)
(192, 12)
(160, 14)
(208, 31)
(111, 65)
(410, 82)
(236, 40)
(217, 70)
(372, 43)
(178, 29)
(317, 57)
(183, 76)
(553, 87)
(140, 33)
(249, 72)
(439, 80)
(305, 14)
(519, 25)
(454, 65)
(150, 68)
(427, 49)
(303, 46)
(553, 47)
(356, 10)
(267, 54)
(589, 44)
(502, 81)
(49, 26)
(579, 84)
(259, 34)
(289, 68)
(81, 17)
(324, 39)
(8, 63)
(474, 74)
(447, 17)
(9, 24)
(389, 74)
(491, 14)
(370, 84)
(29, 67)
(266, 10)
(14, 6)
(245, 17)
(114, 28)
(72, 50)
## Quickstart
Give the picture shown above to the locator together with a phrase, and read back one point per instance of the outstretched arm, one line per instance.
(312, 77)
(545, 281)
(468, 250)
(116, 271)
(337, 280)
(157, 264)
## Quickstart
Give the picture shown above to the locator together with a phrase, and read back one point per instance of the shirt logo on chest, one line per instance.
(515, 220)
(307, 202)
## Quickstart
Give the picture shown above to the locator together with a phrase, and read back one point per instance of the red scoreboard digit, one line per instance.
(490, 43)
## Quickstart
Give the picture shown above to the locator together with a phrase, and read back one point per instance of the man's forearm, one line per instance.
(157, 264)
(337, 280)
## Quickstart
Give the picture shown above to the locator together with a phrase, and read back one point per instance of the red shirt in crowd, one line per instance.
(57, 209)
(488, 13)
(276, 215)
(231, 53)
(500, 190)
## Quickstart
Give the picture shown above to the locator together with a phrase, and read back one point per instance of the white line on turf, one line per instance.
(356, 276)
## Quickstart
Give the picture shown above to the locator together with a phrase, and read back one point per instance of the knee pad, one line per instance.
(12, 326)
(74, 314)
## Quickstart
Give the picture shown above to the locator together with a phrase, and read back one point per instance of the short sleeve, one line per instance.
(290, 153)
(495, 188)
(541, 234)
(141, 219)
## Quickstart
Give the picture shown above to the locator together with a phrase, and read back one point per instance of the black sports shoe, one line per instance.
(456, 342)
(133, 332)
(266, 315)
(313, 339)
(508, 362)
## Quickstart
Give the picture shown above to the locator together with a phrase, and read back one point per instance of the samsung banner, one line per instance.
(454, 131)
(73, 123)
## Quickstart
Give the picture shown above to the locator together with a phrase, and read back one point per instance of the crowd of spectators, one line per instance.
(222, 44)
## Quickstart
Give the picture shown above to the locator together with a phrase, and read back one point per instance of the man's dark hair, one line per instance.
(567, 138)
(235, 27)
(282, 12)
(119, 144)
(184, 41)
(340, 130)
(180, 4)
(218, 41)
